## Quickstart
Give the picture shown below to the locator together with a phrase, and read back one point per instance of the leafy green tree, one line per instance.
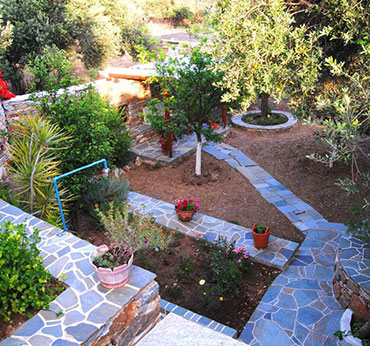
(261, 52)
(35, 25)
(189, 82)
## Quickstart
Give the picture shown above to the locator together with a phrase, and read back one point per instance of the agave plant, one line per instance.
(34, 163)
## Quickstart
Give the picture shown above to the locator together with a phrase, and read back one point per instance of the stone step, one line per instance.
(175, 330)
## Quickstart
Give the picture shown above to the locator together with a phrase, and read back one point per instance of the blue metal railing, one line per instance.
(104, 161)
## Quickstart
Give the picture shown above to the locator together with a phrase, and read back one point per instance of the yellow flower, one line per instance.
(202, 282)
(221, 299)
(291, 82)
(268, 115)
(204, 293)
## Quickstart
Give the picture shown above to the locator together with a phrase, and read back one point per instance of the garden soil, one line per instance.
(224, 193)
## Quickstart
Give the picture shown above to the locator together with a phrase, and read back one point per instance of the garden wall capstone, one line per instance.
(352, 276)
(90, 313)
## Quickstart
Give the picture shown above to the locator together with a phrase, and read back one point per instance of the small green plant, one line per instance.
(175, 291)
(260, 229)
(185, 268)
(358, 329)
(101, 192)
(23, 277)
(227, 267)
(179, 14)
(132, 231)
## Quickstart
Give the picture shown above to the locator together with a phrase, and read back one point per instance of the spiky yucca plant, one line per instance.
(34, 164)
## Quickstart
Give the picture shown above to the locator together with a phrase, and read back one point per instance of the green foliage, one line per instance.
(49, 23)
(139, 44)
(174, 291)
(257, 47)
(22, 274)
(260, 229)
(185, 268)
(271, 119)
(35, 163)
(52, 71)
(101, 192)
(189, 82)
(228, 265)
(342, 24)
(132, 231)
(95, 131)
(179, 14)
(7, 195)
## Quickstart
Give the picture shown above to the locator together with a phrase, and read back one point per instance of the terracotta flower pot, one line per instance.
(109, 278)
(260, 240)
(185, 215)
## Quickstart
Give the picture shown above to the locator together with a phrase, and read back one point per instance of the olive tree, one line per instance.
(189, 81)
(261, 52)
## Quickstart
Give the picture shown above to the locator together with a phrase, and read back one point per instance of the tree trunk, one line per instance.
(364, 331)
(198, 160)
(264, 104)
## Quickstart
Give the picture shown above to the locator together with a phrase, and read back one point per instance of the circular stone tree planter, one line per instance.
(237, 120)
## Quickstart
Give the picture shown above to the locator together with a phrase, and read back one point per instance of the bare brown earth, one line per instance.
(224, 193)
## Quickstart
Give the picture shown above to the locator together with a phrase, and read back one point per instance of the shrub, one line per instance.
(227, 267)
(23, 277)
(179, 14)
(96, 131)
(185, 268)
(103, 191)
(133, 231)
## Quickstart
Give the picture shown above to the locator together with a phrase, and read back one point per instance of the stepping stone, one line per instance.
(175, 330)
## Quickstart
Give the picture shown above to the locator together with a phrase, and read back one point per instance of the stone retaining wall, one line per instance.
(90, 313)
(351, 281)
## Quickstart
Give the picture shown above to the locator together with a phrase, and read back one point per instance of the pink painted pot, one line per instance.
(109, 278)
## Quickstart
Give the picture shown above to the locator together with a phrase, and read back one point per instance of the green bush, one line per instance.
(180, 14)
(22, 275)
(96, 131)
(101, 192)
(227, 267)
(185, 268)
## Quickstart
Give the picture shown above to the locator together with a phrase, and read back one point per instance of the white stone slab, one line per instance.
(177, 331)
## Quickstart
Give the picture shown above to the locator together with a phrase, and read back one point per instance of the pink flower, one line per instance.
(239, 260)
(245, 256)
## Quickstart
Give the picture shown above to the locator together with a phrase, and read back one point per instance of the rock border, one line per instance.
(237, 120)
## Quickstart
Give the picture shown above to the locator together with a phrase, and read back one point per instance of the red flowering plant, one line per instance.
(5, 94)
(186, 205)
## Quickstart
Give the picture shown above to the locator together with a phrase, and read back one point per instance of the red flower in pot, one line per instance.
(186, 208)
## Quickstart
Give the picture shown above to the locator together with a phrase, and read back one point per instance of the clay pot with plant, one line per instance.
(186, 208)
(128, 232)
(261, 235)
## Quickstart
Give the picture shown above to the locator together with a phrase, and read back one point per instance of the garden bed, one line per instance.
(271, 119)
(185, 290)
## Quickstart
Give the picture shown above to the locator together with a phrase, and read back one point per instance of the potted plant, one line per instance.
(127, 232)
(186, 208)
(261, 235)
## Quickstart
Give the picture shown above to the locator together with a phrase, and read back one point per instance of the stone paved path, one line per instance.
(277, 254)
(299, 308)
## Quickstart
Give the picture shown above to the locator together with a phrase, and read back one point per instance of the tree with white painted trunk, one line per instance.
(189, 82)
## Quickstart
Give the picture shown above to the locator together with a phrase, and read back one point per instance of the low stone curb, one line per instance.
(237, 120)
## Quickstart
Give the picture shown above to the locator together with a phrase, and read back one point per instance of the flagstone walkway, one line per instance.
(299, 308)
